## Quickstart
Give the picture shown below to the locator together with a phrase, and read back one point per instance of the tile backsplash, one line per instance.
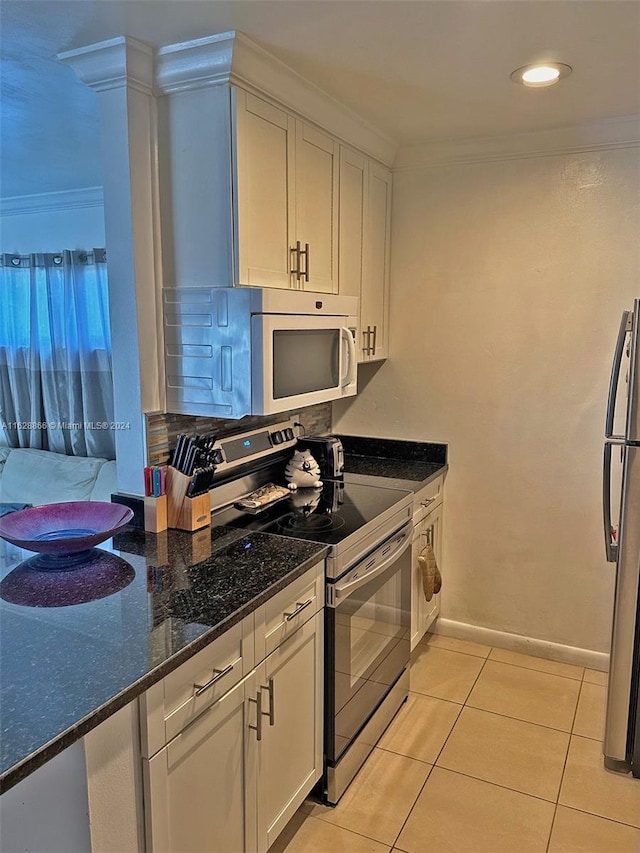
(163, 429)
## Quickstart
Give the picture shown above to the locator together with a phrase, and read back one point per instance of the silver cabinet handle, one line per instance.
(296, 271)
(271, 712)
(300, 606)
(259, 714)
(427, 501)
(217, 675)
(368, 333)
(375, 336)
(306, 254)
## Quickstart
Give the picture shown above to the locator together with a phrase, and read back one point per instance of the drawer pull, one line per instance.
(300, 606)
(427, 501)
(217, 675)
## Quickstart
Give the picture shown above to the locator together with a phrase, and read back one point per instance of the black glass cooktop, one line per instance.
(328, 515)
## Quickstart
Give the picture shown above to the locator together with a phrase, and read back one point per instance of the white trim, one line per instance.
(196, 63)
(113, 64)
(233, 58)
(621, 132)
(44, 202)
(518, 643)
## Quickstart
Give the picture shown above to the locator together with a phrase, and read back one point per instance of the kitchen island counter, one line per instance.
(78, 647)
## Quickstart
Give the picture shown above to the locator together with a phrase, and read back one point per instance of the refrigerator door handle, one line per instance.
(625, 327)
(610, 543)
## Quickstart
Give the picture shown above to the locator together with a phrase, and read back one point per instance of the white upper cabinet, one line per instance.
(254, 193)
(249, 163)
(364, 243)
(316, 200)
(265, 212)
(374, 296)
(353, 209)
(287, 199)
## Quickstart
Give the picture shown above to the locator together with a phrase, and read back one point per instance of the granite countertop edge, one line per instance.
(23, 768)
(396, 482)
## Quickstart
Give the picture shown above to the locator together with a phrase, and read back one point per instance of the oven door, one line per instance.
(368, 638)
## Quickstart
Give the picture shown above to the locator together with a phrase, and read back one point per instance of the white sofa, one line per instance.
(41, 477)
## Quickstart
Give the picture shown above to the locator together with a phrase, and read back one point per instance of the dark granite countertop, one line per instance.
(398, 463)
(76, 648)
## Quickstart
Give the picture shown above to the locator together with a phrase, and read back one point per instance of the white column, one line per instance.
(121, 71)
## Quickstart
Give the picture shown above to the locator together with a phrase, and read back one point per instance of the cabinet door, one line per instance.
(417, 595)
(352, 216)
(423, 612)
(199, 790)
(432, 532)
(264, 159)
(316, 201)
(374, 298)
(289, 756)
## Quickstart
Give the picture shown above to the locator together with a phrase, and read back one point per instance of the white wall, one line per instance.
(52, 230)
(508, 279)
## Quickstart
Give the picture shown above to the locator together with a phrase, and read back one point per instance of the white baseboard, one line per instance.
(518, 643)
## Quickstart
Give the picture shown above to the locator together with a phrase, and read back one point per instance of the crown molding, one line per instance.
(604, 135)
(232, 58)
(45, 202)
(194, 64)
(113, 64)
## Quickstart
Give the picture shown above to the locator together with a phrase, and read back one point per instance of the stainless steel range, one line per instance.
(368, 569)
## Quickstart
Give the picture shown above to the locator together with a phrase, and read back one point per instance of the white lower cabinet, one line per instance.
(288, 759)
(427, 529)
(234, 775)
(200, 787)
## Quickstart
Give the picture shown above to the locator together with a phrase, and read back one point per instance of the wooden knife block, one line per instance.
(185, 513)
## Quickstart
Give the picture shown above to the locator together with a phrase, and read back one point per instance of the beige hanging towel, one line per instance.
(431, 577)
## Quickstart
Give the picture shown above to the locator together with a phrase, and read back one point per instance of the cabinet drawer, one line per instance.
(290, 608)
(427, 498)
(171, 704)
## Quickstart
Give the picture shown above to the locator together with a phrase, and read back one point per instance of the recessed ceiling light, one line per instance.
(543, 74)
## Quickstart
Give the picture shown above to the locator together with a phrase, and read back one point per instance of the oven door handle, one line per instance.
(402, 541)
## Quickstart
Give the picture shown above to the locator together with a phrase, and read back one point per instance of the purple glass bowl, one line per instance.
(64, 528)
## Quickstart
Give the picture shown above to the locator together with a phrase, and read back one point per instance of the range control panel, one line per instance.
(236, 450)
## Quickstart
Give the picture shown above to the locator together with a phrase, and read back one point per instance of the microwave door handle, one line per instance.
(615, 375)
(352, 366)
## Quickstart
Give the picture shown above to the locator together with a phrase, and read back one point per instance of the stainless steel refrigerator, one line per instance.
(622, 539)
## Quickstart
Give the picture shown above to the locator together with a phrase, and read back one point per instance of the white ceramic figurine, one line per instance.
(303, 471)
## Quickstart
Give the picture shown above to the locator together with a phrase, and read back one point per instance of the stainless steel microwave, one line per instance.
(235, 351)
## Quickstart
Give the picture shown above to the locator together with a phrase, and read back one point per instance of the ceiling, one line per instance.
(419, 70)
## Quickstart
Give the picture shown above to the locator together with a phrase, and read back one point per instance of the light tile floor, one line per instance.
(494, 752)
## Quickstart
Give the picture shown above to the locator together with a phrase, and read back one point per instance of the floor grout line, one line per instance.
(497, 785)
(533, 669)
(498, 714)
(412, 806)
(564, 766)
(520, 720)
(352, 831)
(602, 817)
